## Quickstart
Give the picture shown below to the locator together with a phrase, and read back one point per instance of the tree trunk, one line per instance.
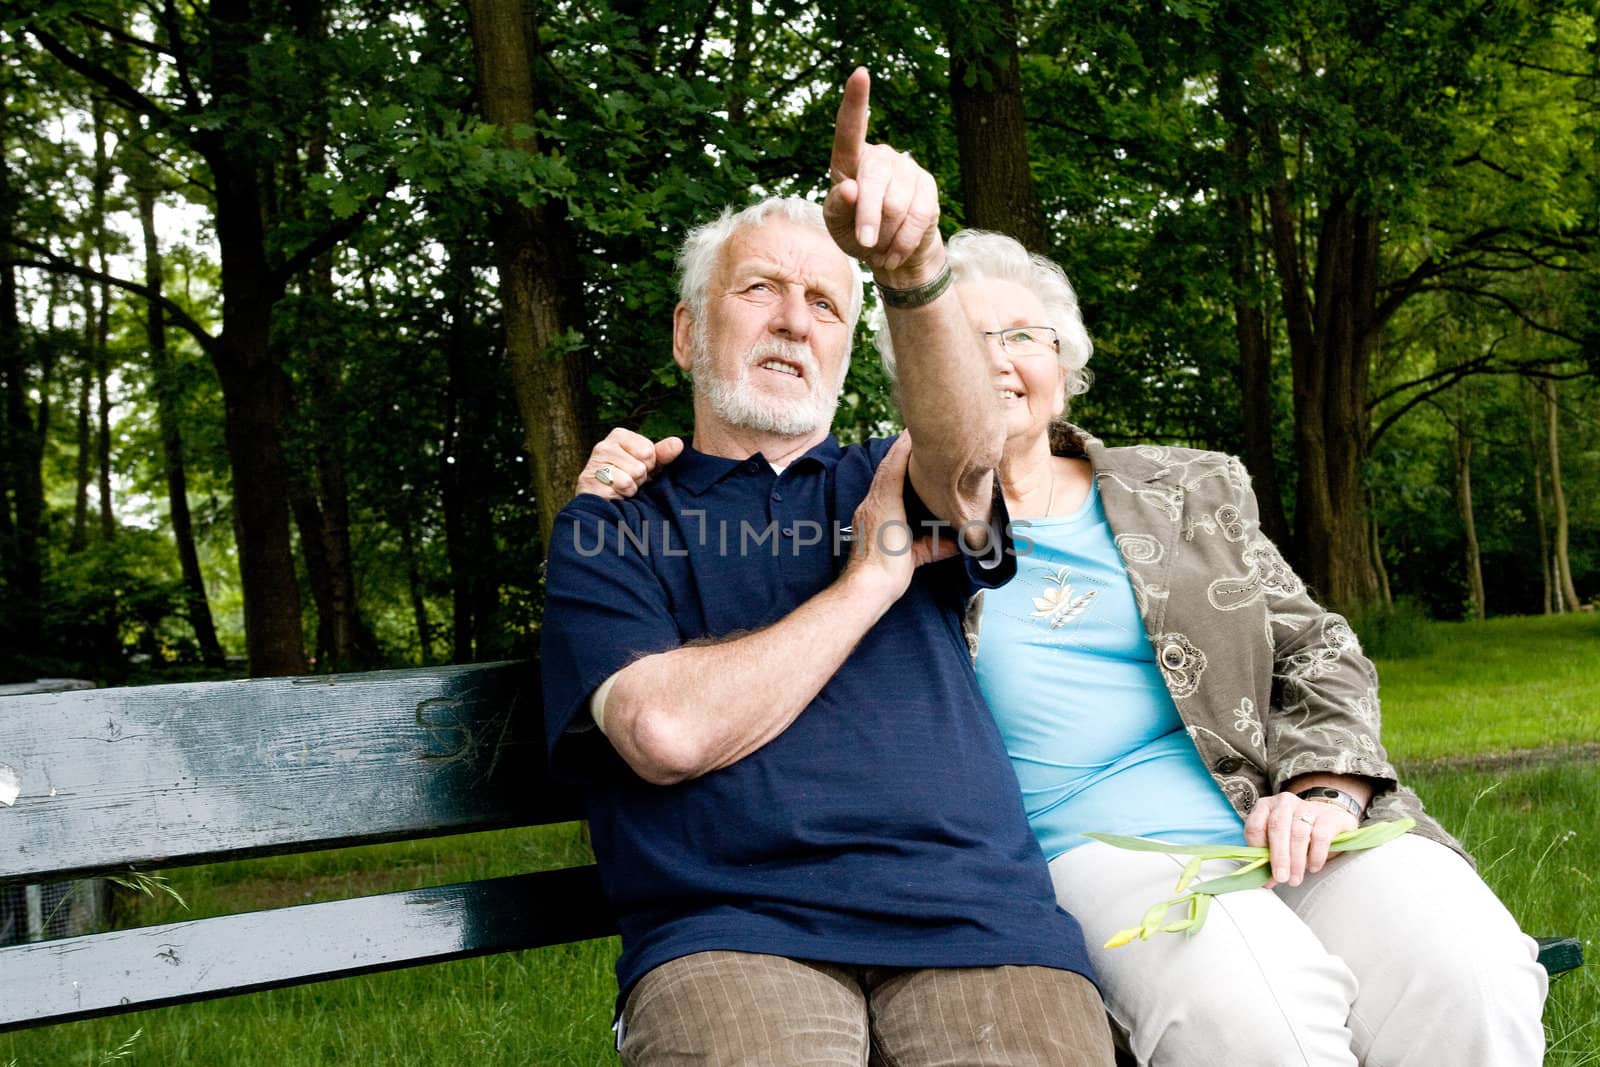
(464, 469)
(1252, 336)
(102, 325)
(414, 587)
(539, 279)
(80, 509)
(1535, 398)
(321, 495)
(21, 477)
(344, 641)
(991, 131)
(254, 389)
(1329, 342)
(108, 521)
(739, 70)
(166, 391)
(1558, 499)
(314, 551)
(1469, 526)
(1385, 594)
(254, 407)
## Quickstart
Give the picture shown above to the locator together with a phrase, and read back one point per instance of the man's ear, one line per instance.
(683, 336)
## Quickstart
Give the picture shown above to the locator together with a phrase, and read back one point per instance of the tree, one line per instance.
(214, 66)
(540, 288)
(991, 128)
(146, 186)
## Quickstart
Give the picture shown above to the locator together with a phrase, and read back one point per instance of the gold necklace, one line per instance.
(1050, 505)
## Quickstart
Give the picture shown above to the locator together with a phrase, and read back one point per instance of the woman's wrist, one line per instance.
(1325, 794)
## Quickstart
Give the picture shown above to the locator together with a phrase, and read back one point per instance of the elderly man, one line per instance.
(803, 813)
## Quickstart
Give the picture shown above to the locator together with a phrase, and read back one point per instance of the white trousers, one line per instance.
(1395, 957)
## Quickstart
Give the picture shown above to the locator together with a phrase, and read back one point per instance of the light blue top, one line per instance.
(1067, 669)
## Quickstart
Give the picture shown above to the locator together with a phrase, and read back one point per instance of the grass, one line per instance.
(1536, 836)
(1496, 686)
(1485, 688)
(546, 1006)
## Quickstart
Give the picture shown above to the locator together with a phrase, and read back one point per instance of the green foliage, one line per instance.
(1470, 130)
(1402, 631)
(112, 600)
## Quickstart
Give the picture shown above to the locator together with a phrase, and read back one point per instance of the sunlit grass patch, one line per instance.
(1495, 686)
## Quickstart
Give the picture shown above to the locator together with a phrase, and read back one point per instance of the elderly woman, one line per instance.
(1157, 669)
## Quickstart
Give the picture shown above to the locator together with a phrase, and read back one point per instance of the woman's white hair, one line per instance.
(697, 257)
(982, 256)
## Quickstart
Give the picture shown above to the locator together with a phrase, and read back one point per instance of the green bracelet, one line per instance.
(920, 296)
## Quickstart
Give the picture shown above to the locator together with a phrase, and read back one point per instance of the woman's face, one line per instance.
(1032, 383)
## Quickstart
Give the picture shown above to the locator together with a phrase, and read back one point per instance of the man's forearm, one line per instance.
(950, 406)
(680, 714)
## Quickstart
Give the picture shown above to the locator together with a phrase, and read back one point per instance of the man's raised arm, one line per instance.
(884, 209)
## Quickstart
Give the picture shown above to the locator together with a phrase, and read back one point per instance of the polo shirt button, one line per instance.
(777, 496)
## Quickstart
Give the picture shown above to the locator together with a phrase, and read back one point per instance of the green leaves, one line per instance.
(1252, 875)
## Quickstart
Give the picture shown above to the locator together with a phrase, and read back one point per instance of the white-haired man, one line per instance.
(803, 813)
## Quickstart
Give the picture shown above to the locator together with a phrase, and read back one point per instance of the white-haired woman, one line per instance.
(1158, 670)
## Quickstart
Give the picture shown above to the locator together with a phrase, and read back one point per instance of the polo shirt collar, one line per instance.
(696, 471)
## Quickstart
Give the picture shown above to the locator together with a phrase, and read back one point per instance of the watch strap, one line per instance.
(1329, 795)
(918, 296)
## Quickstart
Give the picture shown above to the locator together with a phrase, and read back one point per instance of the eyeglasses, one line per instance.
(1027, 340)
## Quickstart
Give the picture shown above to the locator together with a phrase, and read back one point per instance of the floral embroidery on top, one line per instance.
(1056, 604)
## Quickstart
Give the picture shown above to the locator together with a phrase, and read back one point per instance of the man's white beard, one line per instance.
(738, 403)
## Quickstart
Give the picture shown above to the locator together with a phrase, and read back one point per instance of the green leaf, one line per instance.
(1371, 835)
(1179, 848)
(1249, 877)
(1191, 871)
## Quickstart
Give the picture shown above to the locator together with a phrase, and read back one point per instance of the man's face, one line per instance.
(773, 345)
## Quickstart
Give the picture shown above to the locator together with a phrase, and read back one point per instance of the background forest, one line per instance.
(309, 311)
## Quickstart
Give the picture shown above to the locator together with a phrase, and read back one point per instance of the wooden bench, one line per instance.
(164, 776)
(102, 781)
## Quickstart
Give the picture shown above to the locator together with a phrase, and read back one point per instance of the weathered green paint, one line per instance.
(1560, 954)
(126, 970)
(172, 775)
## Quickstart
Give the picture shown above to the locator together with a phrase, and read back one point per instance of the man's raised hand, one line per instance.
(883, 208)
(623, 462)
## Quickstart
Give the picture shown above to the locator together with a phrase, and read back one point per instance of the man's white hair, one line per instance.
(697, 258)
(981, 256)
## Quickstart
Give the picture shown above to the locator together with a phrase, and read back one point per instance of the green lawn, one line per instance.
(1486, 688)
(1514, 683)
(1536, 836)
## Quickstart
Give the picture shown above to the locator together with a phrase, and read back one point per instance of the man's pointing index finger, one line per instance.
(850, 128)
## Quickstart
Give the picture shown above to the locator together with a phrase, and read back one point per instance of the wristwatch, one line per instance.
(918, 296)
(1329, 795)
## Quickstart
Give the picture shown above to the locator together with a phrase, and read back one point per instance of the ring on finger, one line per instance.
(1309, 820)
(603, 475)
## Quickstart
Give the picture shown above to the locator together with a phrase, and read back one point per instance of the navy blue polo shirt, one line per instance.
(883, 827)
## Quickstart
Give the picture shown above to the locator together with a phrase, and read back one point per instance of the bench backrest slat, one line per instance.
(176, 774)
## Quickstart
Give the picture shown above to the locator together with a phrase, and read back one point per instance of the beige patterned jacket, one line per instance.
(1269, 684)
